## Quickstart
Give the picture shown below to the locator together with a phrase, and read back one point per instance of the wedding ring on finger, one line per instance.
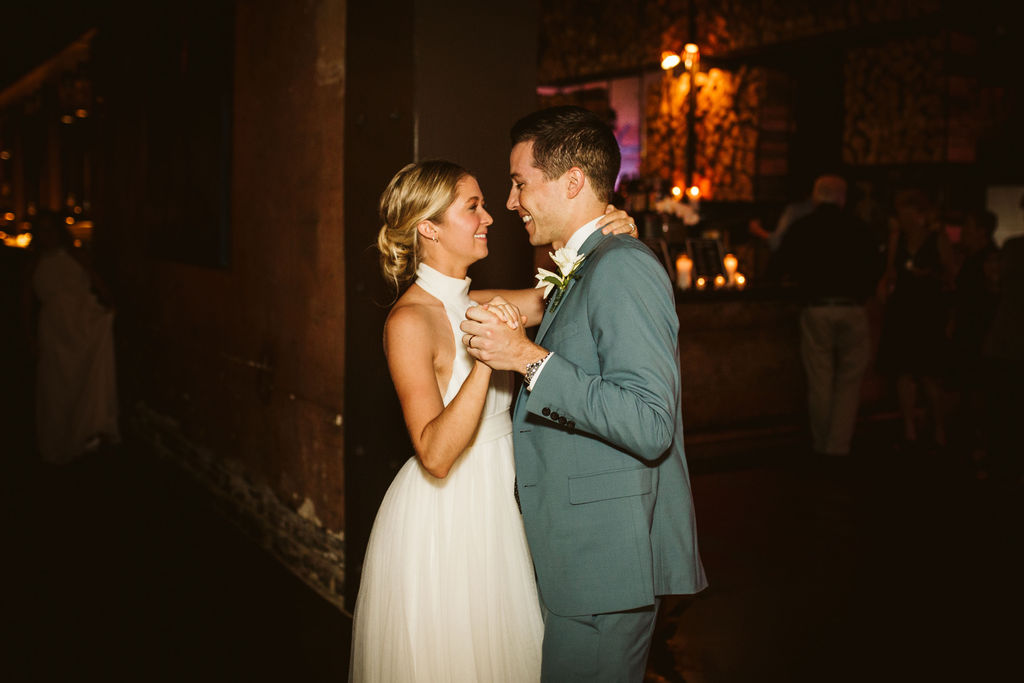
(632, 227)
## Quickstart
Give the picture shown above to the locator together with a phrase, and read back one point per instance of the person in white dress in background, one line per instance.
(76, 389)
(448, 590)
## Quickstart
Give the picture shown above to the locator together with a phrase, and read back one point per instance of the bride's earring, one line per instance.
(427, 231)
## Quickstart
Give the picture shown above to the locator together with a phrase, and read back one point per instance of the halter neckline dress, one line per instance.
(448, 590)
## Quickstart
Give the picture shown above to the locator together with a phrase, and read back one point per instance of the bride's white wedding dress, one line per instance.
(448, 591)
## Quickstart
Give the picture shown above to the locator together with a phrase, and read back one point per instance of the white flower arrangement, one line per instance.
(679, 209)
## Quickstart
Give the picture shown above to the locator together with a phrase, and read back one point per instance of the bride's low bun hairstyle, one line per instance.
(419, 192)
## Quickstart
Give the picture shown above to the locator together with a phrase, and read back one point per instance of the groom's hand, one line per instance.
(489, 340)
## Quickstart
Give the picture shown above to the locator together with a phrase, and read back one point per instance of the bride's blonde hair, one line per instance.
(419, 192)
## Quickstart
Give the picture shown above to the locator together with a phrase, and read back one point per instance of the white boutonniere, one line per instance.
(568, 262)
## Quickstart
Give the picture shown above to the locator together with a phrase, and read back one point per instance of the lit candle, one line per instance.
(730, 264)
(741, 281)
(684, 267)
(701, 283)
(719, 281)
(693, 195)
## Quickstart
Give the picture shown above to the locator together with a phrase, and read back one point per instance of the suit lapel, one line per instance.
(549, 315)
(589, 247)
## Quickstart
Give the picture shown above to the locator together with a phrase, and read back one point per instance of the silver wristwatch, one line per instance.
(532, 368)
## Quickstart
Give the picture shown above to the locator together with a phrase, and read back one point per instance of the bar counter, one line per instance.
(740, 357)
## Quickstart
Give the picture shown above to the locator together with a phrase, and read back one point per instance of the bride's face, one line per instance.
(463, 232)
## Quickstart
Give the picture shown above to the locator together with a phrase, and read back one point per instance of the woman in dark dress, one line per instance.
(914, 324)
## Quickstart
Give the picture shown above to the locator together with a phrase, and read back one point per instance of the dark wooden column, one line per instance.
(425, 79)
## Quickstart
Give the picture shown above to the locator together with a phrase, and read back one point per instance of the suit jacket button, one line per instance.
(562, 420)
(571, 425)
(554, 416)
(545, 411)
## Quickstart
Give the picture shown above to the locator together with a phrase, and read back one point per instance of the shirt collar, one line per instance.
(581, 234)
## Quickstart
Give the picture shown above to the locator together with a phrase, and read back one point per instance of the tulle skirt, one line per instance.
(448, 590)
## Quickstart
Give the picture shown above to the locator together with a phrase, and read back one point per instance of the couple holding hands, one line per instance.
(531, 544)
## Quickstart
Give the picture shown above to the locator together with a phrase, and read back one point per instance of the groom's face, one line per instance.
(535, 198)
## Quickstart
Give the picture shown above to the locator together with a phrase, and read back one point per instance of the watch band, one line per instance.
(532, 368)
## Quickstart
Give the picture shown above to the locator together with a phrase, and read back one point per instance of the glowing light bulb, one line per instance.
(691, 54)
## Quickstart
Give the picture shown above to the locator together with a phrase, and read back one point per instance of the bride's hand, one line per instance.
(505, 311)
(618, 222)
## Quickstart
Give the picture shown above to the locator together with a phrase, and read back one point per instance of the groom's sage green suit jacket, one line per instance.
(601, 474)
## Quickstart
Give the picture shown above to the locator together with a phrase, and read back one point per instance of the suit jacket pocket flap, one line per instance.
(607, 485)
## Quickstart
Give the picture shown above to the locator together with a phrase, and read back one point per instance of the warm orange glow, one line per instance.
(719, 281)
(701, 283)
(78, 243)
(684, 266)
(8, 216)
(78, 209)
(669, 60)
(5, 154)
(703, 186)
(741, 281)
(691, 56)
(730, 264)
(693, 192)
(677, 191)
(18, 241)
(67, 118)
(69, 220)
(81, 113)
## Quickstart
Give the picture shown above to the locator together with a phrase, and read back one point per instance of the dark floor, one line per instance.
(118, 568)
(896, 567)
(888, 567)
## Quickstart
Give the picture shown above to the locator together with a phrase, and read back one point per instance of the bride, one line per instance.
(448, 591)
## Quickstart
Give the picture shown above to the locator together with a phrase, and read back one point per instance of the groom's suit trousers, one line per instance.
(598, 648)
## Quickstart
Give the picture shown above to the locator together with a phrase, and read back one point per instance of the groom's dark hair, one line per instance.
(569, 136)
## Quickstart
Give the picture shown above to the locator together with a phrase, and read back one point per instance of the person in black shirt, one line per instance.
(1004, 353)
(974, 307)
(830, 256)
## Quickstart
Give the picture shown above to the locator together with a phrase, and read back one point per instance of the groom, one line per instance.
(597, 428)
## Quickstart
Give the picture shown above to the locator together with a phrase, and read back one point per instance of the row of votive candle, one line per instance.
(732, 279)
